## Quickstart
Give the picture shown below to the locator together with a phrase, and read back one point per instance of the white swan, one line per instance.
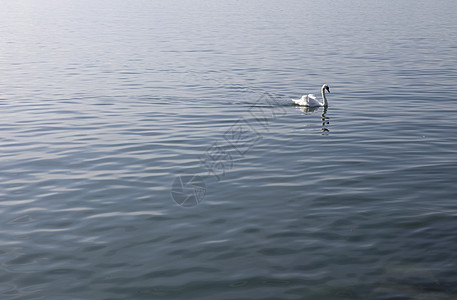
(311, 100)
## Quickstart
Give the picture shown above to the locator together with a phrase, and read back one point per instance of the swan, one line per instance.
(311, 100)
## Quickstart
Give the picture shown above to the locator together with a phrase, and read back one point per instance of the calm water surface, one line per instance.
(106, 105)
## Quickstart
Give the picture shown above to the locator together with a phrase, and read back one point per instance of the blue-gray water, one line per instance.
(106, 105)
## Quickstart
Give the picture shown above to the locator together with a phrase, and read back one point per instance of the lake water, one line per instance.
(149, 150)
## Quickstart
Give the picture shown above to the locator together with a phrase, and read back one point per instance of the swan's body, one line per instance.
(311, 100)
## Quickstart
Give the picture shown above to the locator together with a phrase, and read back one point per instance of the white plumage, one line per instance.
(311, 100)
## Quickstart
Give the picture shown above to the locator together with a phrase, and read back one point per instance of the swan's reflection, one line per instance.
(325, 121)
(324, 117)
(308, 109)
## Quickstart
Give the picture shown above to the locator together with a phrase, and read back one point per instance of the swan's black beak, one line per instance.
(327, 88)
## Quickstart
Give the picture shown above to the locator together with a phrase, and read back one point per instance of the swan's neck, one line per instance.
(325, 103)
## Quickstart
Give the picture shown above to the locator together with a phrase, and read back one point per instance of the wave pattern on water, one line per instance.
(103, 105)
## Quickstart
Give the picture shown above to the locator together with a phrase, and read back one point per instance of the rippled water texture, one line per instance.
(149, 150)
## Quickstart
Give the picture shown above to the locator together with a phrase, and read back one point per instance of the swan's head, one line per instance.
(325, 87)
